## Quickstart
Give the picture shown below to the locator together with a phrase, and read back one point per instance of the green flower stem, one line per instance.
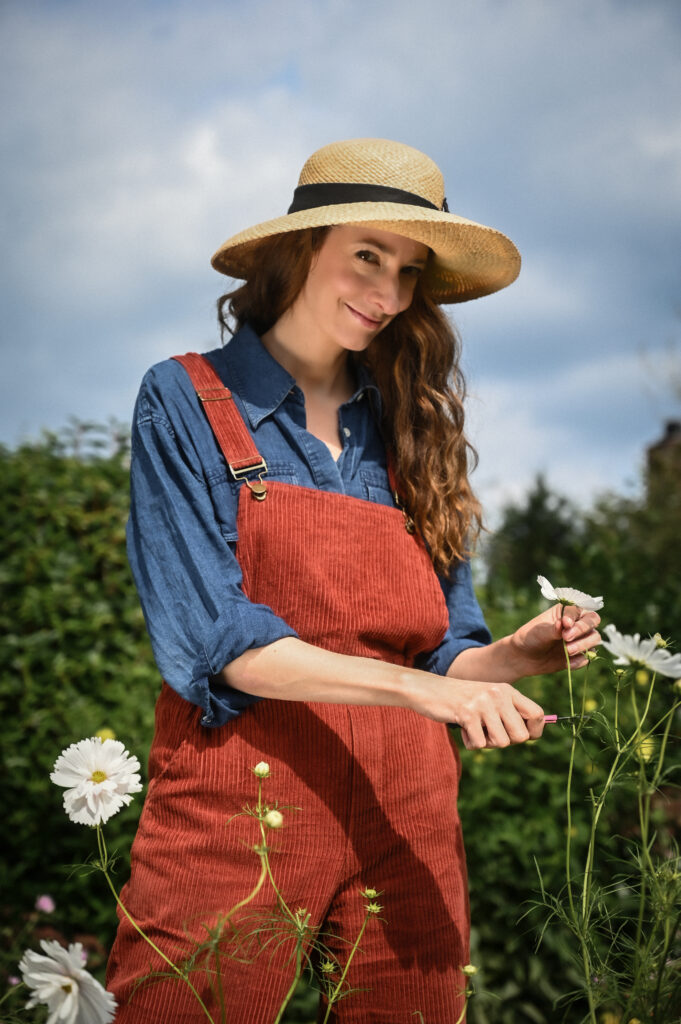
(263, 853)
(568, 794)
(336, 992)
(300, 924)
(579, 926)
(294, 983)
(617, 712)
(663, 744)
(663, 963)
(104, 866)
(467, 994)
(254, 892)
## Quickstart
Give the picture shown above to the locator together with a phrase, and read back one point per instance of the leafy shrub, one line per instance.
(74, 659)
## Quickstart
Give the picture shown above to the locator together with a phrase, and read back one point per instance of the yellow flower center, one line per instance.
(98, 776)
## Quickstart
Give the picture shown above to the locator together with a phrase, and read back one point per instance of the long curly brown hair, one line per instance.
(415, 362)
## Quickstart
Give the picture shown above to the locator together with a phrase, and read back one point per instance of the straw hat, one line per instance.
(393, 187)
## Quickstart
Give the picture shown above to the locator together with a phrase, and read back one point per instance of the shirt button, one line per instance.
(346, 431)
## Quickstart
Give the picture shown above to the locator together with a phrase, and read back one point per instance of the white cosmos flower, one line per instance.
(631, 650)
(99, 775)
(59, 979)
(568, 595)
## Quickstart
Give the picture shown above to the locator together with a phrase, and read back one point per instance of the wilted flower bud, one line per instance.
(262, 770)
(274, 819)
(469, 970)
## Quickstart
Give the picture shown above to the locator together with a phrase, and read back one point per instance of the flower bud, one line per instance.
(274, 819)
(45, 904)
(642, 677)
(469, 970)
(591, 655)
(262, 770)
(660, 641)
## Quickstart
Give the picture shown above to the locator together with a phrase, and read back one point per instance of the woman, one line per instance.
(299, 530)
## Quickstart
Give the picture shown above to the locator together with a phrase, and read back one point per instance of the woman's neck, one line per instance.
(319, 370)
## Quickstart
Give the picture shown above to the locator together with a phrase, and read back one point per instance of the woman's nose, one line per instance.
(389, 295)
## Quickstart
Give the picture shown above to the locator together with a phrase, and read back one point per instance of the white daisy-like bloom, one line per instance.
(568, 595)
(99, 776)
(59, 979)
(632, 650)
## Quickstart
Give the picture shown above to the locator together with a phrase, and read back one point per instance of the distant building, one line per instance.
(663, 477)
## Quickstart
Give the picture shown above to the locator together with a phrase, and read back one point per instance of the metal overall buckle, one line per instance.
(257, 488)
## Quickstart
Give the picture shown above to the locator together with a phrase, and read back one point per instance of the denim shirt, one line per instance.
(182, 529)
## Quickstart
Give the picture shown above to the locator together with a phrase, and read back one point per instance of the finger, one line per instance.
(473, 736)
(581, 625)
(584, 643)
(532, 714)
(500, 734)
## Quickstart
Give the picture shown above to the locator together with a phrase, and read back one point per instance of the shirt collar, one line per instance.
(262, 383)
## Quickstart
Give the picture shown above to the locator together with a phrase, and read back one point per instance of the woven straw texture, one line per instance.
(469, 259)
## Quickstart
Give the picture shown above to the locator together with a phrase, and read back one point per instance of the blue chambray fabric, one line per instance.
(182, 528)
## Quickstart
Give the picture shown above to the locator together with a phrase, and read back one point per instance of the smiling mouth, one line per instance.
(366, 321)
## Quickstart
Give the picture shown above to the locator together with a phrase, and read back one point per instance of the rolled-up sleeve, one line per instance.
(187, 576)
(467, 626)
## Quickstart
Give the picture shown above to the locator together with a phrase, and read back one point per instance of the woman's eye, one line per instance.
(367, 256)
(412, 271)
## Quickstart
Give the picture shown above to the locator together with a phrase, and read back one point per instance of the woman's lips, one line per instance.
(366, 321)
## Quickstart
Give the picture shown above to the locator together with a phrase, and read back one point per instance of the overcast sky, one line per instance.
(138, 135)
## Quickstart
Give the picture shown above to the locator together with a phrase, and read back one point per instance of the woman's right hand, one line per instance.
(489, 714)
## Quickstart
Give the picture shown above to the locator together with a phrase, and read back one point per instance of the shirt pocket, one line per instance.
(225, 494)
(376, 486)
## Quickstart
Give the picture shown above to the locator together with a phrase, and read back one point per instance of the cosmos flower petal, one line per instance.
(59, 980)
(99, 777)
(568, 595)
(632, 650)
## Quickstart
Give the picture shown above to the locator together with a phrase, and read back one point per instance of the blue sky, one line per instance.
(139, 135)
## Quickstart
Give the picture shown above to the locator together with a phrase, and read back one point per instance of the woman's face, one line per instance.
(359, 280)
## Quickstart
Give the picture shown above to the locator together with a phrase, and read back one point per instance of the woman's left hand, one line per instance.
(538, 644)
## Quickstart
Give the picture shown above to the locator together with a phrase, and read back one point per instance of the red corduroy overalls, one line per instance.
(375, 787)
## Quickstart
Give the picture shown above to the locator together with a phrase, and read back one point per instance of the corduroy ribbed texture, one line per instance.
(375, 790)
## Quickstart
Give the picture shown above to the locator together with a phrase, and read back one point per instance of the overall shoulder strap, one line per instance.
(231, 433)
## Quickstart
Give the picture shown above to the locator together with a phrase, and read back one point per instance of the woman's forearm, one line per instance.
(499, 662)
(490, 713)
(290, 669)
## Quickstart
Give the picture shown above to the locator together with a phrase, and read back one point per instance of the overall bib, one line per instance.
(369, 794)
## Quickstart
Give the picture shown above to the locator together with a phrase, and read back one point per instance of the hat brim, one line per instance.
(470, 260)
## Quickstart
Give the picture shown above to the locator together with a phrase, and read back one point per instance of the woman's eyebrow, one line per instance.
(422, 260)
